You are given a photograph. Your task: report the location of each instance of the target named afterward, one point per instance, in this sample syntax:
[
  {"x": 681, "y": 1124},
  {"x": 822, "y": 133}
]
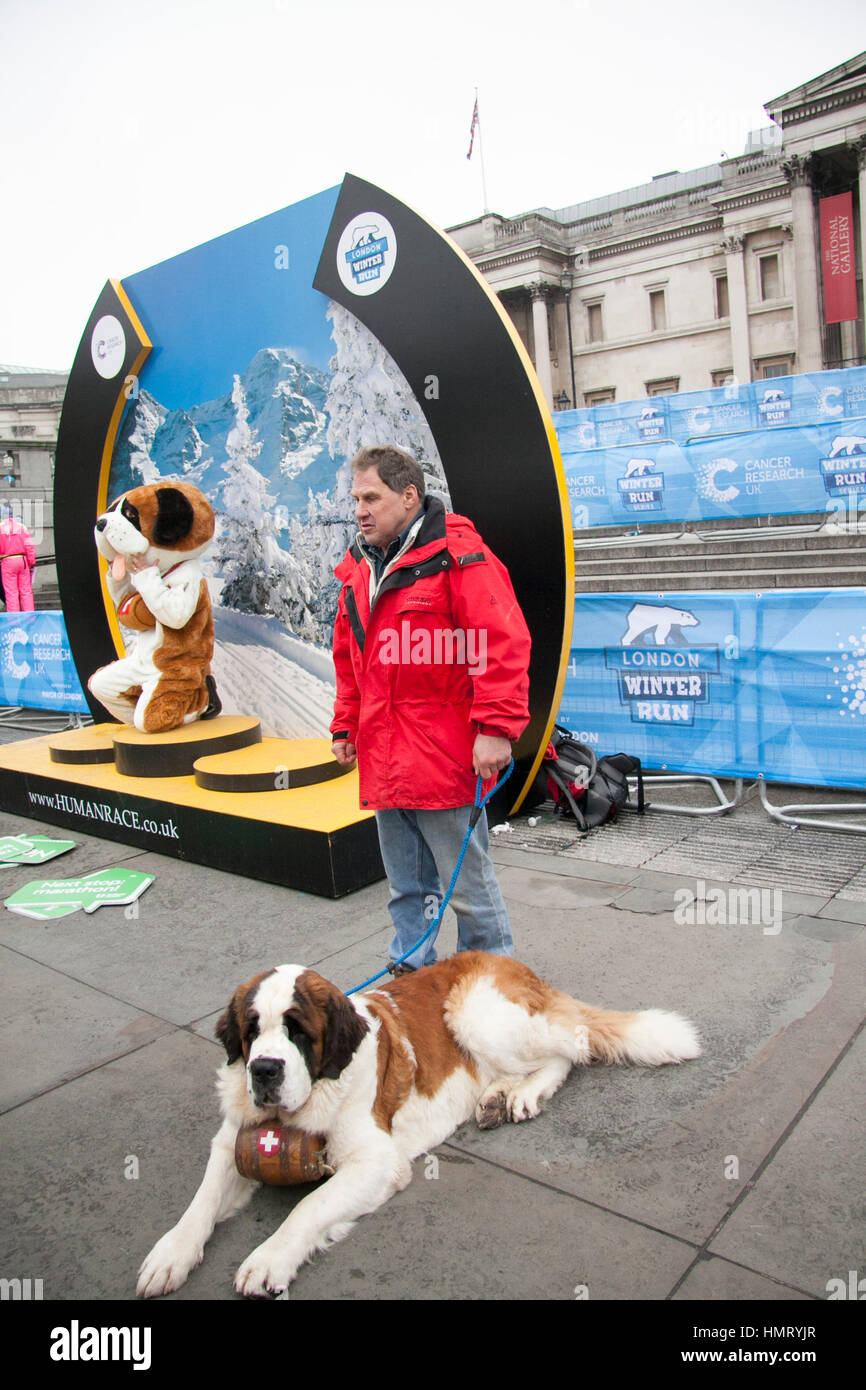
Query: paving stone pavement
[{"x": 730, "y": 1181}]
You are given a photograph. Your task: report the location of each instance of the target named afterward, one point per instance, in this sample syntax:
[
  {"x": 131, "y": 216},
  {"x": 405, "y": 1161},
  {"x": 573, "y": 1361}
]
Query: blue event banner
[
  {"x": 36, "y": 666},
  {"x": 729, "y": 683},
  {"x": 787, "y": 446}
]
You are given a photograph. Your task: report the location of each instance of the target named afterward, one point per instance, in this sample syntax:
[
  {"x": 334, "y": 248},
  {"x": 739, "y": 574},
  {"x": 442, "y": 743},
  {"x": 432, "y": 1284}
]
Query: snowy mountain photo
[{"x": 272, "y": 455}]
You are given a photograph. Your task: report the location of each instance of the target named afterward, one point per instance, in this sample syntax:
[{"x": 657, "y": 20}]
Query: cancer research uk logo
[
  {"x": 709, "y": 477},
  {"x": 12, "y": 663},
  {"x": 641, "y": 488},
  {"x": 366, "y": 253},
  {"x": 108, "y": 346},
  {"x": 844, "y": 470},
  {"x": 661, "y": 678}
]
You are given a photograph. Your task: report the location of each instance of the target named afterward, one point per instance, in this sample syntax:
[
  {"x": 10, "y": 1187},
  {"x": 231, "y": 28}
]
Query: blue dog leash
[{"x": 474, "y": 817}]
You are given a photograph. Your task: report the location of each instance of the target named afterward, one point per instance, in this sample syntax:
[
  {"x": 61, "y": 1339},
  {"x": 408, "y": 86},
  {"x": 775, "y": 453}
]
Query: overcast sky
[{"x": 134, "y": 131}]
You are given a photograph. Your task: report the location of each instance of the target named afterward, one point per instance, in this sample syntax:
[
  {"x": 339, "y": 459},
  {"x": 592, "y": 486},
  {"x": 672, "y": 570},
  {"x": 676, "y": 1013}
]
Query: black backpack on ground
[{"x": 584, "y": 788}]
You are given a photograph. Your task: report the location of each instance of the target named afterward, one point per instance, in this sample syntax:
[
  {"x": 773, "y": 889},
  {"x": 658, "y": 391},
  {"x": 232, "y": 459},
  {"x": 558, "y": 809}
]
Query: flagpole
[
  {"x": 476, "y": 125},
  {"x": 481, "y": 157}
]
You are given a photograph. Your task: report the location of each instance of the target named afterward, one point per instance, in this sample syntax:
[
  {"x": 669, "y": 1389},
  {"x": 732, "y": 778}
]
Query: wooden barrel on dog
[{"x": 280, "y": 1156}]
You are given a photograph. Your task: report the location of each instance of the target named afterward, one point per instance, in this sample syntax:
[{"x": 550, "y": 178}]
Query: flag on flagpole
[{"x": 472, "y": 129}]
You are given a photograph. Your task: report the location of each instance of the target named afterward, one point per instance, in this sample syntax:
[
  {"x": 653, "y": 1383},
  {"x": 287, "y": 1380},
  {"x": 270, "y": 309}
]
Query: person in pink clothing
[{"x": 17, "y": 562}]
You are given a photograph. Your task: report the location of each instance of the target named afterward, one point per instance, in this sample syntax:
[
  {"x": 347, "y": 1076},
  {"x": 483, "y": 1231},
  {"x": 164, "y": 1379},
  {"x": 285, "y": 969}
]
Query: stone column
[
  {"x": 542, "y": 340},
  {"x": 810, "y": 353},
  {"x": 859, "y": 148},
  {"x": 738, "y": 303}
]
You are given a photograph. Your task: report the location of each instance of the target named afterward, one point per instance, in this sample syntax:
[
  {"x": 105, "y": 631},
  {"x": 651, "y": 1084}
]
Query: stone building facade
[
  {"x": 30, "y": 406},
  {"x": 695, "y": 278}
]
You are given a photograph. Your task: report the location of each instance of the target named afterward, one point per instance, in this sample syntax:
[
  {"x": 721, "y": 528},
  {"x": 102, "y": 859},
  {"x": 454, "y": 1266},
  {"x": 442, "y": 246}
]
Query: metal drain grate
[
  {"x": 814, "y": 861},
  {"x": 745, "y": 846}
]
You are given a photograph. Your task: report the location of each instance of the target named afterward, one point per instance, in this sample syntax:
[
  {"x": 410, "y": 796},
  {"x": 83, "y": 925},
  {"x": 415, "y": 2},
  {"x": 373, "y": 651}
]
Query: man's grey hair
[{"x": 397, "y": 469}]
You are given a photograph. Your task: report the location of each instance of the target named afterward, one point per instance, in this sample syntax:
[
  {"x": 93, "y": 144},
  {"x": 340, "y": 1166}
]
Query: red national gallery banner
[{"x": 837, "y": 258}]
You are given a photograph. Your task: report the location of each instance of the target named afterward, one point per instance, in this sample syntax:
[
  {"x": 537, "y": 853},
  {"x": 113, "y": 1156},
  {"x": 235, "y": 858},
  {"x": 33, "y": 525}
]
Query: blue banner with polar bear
[
  {"x": 729, "y": 683},
  {"x": 36, "y": 666},
  {"x": 788, "y": 446}
]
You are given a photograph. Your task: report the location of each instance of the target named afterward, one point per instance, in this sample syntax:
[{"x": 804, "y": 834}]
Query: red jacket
[{"x": 443, "y": 656}]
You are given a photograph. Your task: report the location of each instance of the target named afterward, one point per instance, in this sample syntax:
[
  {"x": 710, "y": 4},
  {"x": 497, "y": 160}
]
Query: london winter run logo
[
  {"x": 661, "y": 678},
  {"x": 366, "y": 253},
  {"x": 651, "y": 423},
  {"x": 642, "y": 486},
  {"x": 844, "y": 469},
  {"x": 775, "y": 408}
]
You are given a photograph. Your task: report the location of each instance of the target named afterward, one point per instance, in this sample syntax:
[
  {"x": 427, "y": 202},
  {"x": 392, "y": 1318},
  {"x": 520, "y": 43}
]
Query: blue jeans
[{"x": 419, "y": 850}]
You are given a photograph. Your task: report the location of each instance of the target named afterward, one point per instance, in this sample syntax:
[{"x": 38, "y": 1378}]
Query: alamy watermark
[
  {"x": 851, "y": 1288},
  {"x": 729, "y": 907},
  {"x": 440, "y": 647},
  {"x": 20, "y": 1289}
]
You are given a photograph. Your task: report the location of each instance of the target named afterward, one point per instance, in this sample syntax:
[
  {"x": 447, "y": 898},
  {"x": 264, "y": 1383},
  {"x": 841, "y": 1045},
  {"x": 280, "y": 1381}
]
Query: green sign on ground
[
  {"x": 50, "y": 898},
  {"x": 30, "y": 849}
]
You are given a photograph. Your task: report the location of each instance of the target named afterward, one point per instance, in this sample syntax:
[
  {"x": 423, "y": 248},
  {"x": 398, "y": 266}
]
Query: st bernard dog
[{"x": 384, "y": 1077}]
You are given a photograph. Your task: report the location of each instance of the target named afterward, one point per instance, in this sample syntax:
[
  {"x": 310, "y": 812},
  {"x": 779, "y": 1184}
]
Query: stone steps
[
  {"x": 692, "y": 581},
  {"x": 689, "y": 547},
  {"x": 700, "y": 564},
  {"x": 778, "y": 553}
]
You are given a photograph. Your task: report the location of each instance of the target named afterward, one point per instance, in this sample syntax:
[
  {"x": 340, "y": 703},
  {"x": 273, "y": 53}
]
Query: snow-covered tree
[
  {"x": 260, "y": 577},
  {"x": 369, "y": 402}
]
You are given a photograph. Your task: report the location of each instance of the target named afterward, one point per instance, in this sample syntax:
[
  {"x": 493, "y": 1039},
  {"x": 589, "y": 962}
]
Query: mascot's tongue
[{"x": 118, "y": 568}]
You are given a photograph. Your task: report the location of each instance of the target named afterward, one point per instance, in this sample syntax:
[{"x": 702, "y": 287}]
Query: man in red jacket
[{"x": 431, "y": 653}]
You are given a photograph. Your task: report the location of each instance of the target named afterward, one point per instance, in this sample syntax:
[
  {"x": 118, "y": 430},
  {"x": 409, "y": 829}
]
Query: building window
[
  {"x": 658, "y": 311},
  {"x": 723, "y": 377},
  {"x": 603, "y": 396},
  {"x": 768, "y": 267},
  {"x": 667, "y": 387},
  {"x": 774, "y": 366},
  {"x": 594, "y": 324},
  {"x": 723, "y": 306}
]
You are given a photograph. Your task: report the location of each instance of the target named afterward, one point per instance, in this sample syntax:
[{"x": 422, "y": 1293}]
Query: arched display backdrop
[
  {"x": 173, "y": 369},
  {"x": 472, "y": 377}
]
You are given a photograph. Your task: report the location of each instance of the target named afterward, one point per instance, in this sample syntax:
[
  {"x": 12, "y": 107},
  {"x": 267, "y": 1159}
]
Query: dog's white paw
[
  {"x": 266, "y": 1273},
  {"x": 168, "y": 1265},
  {"x": 523, "y": 1103}
]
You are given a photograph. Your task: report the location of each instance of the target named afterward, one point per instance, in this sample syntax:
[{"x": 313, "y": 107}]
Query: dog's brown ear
[
  {"x": 229, "y": 1027},
  {"x": 344, "y": 1032},
  {"x": 174, "y": 517},
  {"x": 228, "y": 1031}
]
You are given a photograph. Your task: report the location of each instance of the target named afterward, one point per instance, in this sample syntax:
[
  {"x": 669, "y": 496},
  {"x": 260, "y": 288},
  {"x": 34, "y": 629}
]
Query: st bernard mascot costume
[{"x": 152, "y": 539}]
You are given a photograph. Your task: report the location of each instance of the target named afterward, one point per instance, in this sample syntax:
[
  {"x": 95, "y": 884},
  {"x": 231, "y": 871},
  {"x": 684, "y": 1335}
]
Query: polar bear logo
[
  {"x": 847, "y": 444},
  {"x": 638, "y": 468},
  {"x": 658, "y": 619},
  {"x": 770, "y": 396},
  {"x": 649, "y": 412},
  {"x": 363, "y": 236}
]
